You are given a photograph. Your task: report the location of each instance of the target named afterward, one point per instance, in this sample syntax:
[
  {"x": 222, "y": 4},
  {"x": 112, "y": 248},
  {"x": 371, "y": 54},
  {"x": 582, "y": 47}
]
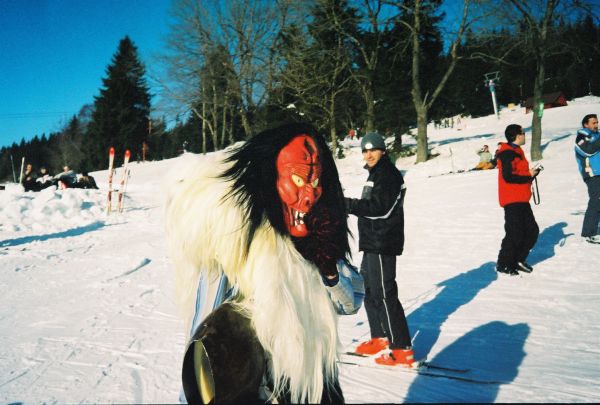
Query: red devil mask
[{"x": 298, "y": 173}]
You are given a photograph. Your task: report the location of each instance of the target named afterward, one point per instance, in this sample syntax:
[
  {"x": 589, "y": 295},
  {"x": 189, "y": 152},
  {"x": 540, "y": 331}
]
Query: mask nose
[{"x": 308, "y": 198}]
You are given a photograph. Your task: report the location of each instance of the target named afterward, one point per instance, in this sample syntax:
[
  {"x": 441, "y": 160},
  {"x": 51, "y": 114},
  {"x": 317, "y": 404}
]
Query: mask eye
[
  {"x": 297, "y": 180},
  {"x": 315, "y": 183}
]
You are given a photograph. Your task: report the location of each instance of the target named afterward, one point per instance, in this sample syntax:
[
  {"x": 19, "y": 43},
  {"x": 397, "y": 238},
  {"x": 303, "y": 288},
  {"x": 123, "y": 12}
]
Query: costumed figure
[{"x": 259, "y": 240}]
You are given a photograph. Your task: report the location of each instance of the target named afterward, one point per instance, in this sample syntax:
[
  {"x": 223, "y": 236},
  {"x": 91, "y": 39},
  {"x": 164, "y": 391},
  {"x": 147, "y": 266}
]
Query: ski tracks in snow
[{"x": 108, "y": 349}]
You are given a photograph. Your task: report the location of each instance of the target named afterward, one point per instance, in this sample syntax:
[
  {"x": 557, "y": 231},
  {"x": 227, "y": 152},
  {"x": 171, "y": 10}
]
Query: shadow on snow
[
  {"x": 549, "y": 238},
  {"x": 461, "y": 139},
  {"x": 492, "y": 352},
  {"x": 58, "y": 235},
  {"x": 555, "y": 139},
  {"x": 457, "y": 291}
]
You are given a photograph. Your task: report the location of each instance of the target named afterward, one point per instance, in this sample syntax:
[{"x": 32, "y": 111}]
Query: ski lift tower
[{"x": 491, "y": 81}]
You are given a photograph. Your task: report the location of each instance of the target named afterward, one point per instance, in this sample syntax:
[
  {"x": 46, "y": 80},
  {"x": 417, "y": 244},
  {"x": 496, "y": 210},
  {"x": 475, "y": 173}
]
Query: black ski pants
[
  {"x": 592, "y": 214},
  {"x": 521, "y": 234},
  {"x": 384, "y": 311}
]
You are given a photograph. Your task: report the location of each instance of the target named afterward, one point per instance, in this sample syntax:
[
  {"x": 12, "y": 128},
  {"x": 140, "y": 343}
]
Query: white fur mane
[{"x": 283, "y": 293}]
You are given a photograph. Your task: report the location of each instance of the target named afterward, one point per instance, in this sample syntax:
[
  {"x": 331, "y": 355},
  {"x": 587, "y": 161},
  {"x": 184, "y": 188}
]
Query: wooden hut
[{"x": 551, "y": 100}]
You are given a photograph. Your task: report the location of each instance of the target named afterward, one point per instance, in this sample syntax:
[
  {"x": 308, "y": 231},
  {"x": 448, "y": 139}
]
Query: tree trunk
[
  {"x": 539, "y": 32},
  {"x": 369, "y": 99},
  {"x": 332, "y": 130},
  {"x": 421, "y": 102},
  {"x": 333, "y": 137},
  {"x": 215, "y": 119},
  {"x": 540, "y": 78},
  {"x": 224, "y": 120},
  {"x": 536, "y": 120},
  {"x": 203, "y": 128},
  {"x": 416, "y": 91},
  {"x": 422, "y": 146},
  {"x": 230, "y": 132},
  {"x": 245, "y": 123}
]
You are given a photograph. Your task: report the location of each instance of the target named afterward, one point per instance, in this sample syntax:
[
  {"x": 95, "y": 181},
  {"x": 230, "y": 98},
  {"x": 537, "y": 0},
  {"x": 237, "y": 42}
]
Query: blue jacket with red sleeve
[{"x": 587, "y": 152}]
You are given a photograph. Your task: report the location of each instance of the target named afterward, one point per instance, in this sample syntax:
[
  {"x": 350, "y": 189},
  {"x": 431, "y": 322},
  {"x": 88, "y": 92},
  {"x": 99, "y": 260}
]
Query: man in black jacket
[{"x": 381, "y": 238}]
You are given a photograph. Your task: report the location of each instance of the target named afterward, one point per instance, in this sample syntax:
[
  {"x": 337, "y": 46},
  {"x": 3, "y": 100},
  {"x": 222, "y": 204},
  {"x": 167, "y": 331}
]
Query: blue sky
[{"x": 54, "y": 54}]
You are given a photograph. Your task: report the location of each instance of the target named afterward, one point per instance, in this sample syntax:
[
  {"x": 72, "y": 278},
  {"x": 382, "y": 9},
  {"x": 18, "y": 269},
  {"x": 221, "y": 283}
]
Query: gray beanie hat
[{"x": 372, "y": 140}]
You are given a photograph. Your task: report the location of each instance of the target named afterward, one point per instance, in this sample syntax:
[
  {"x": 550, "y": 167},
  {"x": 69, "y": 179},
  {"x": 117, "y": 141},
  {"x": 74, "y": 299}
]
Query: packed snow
[{"x": 88, "y": 311}]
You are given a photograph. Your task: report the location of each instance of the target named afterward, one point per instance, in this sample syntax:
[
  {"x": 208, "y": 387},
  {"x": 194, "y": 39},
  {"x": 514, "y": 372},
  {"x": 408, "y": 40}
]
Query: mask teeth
[{"x": 298, "y": 217}]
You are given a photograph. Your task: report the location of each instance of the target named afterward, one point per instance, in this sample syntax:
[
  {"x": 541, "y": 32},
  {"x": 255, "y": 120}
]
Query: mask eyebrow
[{"x": 311, "y": 153}]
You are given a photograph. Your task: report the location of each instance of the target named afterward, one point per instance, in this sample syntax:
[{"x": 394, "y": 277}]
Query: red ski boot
[
  {"x": 404, "y": 358},
  {"x": 372, "y": 346}
]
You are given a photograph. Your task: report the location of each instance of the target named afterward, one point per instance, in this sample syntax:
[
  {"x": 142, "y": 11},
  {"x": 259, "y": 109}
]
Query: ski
[
  {"x": 422, "y": 363},
  {"x": 111, "y": 161},
  {"x": 122, "y": 200},
  {"x": 425, "y": 371},
  {"x": 123, "y": 180},
  {"x": 461, "y": 171}
]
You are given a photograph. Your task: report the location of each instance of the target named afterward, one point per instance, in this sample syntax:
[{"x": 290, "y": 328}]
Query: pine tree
[{"x": 121, "y": 111}]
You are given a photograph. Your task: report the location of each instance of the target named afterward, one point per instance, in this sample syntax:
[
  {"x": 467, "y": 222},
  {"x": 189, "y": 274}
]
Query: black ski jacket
[{"x": 379, "y": 210}]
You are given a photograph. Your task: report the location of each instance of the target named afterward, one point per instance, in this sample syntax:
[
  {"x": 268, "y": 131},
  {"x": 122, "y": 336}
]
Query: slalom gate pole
[
  {"x": 12, "y": 165},
  {"x": 22, "y": 167}
]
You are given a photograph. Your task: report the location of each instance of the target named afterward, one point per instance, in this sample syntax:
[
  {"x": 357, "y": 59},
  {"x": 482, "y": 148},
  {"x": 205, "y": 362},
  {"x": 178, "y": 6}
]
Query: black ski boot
[
  {"x": 524, "y": 267},
  {"x": 507, "y": 270}
]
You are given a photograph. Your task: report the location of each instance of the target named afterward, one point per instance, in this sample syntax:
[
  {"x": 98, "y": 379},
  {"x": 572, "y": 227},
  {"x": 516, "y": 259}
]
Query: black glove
[
  {"x": 331, "y": 282},
  {"x": 322, "y": 246},
  {"x": 348, "y": 205}
]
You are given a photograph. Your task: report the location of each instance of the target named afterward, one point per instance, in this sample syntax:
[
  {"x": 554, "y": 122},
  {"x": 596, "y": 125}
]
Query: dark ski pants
[
  {"x": 592, "y": 214},
  {"x": 384, "y": 311},
  {"x": 521, "y": 234}
]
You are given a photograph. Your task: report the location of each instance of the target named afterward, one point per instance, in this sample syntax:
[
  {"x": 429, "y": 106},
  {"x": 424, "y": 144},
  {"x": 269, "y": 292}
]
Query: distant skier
[
  {"x": 587, "y": 153},
  {"x": 381, "y": 238},
  {"x": 514, "y": 192}
]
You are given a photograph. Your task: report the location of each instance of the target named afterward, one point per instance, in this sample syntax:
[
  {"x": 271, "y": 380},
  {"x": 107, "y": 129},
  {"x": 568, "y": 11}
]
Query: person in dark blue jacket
[
  {"x": 381, "y": 238},
  {"x": 587, "y": 154}
]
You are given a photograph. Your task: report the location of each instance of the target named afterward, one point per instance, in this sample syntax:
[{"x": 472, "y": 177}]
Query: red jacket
[{"x": 514, "y": 179}]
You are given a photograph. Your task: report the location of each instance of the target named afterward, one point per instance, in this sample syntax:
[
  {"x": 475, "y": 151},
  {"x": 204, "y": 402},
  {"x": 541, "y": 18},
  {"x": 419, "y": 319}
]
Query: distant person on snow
[
  {"x": 86, "y": 181},
  {"x": 66, "y": 179},
  {"x": 587, "y": 154},
  {"x": 29, "y": 179},
  {"x": 514, "y": 192},
  {"x": 44, "y": 178},
  {"x": 380, "y": 215},
  {"x": 485, "y": 159}
]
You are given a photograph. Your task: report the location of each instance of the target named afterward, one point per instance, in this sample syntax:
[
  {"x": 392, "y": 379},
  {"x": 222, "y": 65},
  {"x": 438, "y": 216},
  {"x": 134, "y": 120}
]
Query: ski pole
[
  {"x": 412, "y": 341},
  {"x": 535, "y": 191}
]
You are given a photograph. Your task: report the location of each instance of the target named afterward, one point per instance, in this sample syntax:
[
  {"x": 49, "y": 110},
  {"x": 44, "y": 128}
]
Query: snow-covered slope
[{"x": 88, "y": 312}]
